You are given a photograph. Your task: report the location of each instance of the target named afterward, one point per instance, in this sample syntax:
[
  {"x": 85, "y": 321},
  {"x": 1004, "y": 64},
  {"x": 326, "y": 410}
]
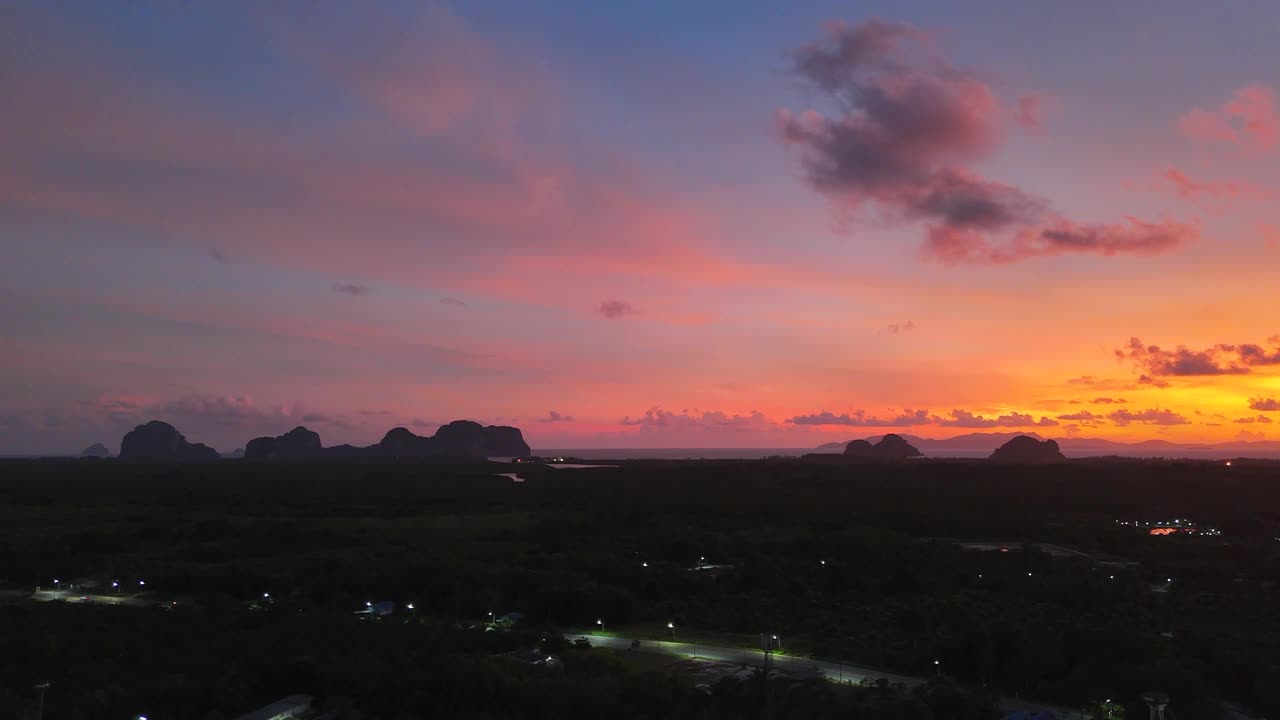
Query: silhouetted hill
[
  {"x": 97, "y": 450},
  {"x": 1027, "y": 450},
  {"x": 458, "y": 439},
  {"x": 890, "y": 448},
  {"x": 161, "y": 441},
  {"x": 297, "y": 443},
  {"x": 980, "y": 444}
]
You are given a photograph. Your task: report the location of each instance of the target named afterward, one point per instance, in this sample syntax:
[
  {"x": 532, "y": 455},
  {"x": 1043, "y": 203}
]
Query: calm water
[{"x": 672, "y": 453}]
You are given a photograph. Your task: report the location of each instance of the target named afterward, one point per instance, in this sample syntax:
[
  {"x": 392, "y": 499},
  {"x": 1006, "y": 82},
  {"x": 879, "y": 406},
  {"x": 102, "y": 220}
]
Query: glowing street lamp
[
  {"x": 115, "y": 585},
  {"x": 55, "y": 583},
  {"x": 601, "y": 624},
  {"x": 411, "y": 609},
  {"x": 672, "y": 628}
]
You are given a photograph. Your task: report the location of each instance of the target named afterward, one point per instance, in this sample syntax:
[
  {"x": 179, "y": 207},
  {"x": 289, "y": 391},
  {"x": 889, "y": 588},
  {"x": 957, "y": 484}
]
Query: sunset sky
[{"x": 659, "y": 224}]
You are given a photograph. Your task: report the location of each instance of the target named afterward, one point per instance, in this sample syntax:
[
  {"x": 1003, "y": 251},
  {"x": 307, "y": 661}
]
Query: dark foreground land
[{"x": 988, "y": 581}]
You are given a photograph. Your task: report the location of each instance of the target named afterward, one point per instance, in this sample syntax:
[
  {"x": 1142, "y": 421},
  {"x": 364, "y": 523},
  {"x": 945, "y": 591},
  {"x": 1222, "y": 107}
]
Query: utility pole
[{"x": 769, "y": 643}]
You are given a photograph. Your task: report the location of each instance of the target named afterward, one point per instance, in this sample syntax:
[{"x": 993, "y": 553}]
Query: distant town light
[{"x": 410, "y": 606}]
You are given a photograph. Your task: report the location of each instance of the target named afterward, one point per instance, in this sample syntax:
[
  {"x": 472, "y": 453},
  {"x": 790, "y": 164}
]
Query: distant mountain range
[
  {"x": 157, "y": 440},
  {"x": 981, "y": 444}
]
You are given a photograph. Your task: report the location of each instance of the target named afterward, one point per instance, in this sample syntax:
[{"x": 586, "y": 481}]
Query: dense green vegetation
[{"x": 854, "y": 563}]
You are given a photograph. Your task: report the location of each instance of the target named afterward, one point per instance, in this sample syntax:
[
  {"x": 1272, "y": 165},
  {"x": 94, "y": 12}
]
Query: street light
[
  {"x": 937, "y": 664},
  {"x": 41, "y": 686},
  {"x": 411, "y": 609},
  {"x": 601, "y": 624},
  {"x": 672, "y": 628},
  {"x": 115, "y": 584},
  {"x": 55, "y": 584}
]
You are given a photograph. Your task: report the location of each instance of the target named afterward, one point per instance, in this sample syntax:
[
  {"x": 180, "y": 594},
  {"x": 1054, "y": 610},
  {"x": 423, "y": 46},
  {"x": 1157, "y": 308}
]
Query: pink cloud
[
  {"x": 1029, "y": 111},
  {"x": 1249, "y": 119},
  {"x": 1191, "y": 188},
  {"x": 1270, "y": 235},
  {"x": 1154, "y": 416},
  {"x": 615, "y": 309}
]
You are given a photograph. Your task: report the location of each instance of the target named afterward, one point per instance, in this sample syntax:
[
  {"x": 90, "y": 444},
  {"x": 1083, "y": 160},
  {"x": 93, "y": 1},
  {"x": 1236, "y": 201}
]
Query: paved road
[
  {"x": 63, "y": 595},
  {"x": 836, "y": 672}
]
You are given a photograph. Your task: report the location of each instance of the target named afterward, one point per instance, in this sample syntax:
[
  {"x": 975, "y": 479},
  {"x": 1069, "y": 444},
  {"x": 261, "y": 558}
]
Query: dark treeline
[{"x": 852, "y": 563}]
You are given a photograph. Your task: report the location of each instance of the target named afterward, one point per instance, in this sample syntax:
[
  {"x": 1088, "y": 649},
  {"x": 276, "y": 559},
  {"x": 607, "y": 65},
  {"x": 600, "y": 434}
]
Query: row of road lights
[{"x": 115, "y": 584}]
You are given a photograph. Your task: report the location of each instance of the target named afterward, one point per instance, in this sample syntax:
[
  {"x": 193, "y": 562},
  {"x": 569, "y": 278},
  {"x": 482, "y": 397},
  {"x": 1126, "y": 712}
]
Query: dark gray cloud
[
  {"x": 1264, "y": 404},
  {"x": 1257, "y": 419},
  {"x": 1222, "y": 359},
  {"x": 350, "y": 288},
  {"x": 657, "y": 419},
  {"x": 859, "y": 418},
  {"x": 903, "y": 128}
]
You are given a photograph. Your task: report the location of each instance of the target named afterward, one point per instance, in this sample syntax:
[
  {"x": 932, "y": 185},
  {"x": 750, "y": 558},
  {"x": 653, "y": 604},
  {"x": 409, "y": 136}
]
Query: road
[
  {"x": 71, "y": 597},
  {"x": 836, "y": 672}
]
